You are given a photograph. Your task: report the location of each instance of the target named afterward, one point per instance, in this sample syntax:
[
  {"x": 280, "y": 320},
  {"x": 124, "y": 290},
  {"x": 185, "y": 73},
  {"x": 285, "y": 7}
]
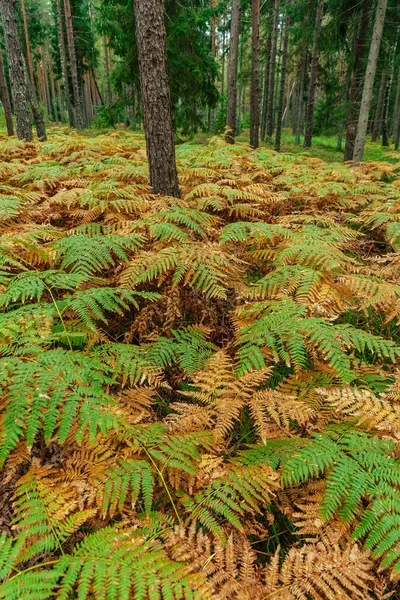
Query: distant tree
[
  {"x": 151, "y": 44},
  {"x": 5, "y": 97},
  {"x": 73, "y": 64},
  {"x": 282, "y": 87},
  {"x": 271, "y": 85},
  {"x": 232, "y": 72},
  {"x": 63, "y": 60},
  {"x": 309, "y": 121},
  {"x": 369, "y": 81},
  {"x": 255, "y": 80}
]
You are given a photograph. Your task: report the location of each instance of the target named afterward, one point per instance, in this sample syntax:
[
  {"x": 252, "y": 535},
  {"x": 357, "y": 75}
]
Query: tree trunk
[
  {"x": 213, "y": 52},
  {"x": 282, "y": 88},
  {"x": 223, "y": 59},
  {"x": 255, "y": 80},
  {"x": 37, "y": 115},
  {"x": 356, "y": 79},
  {"x": 266, "y": 84},
  {"x": 107, "y": 71},
  {"x": 74, "y": 66},
  {"x": 28, "y": 47},
  {"x": 152, "y": 54},
  {"x": 396, "y": 105},
  {"x": 272, "y": 68},
  {"x": 5, "y": 98},
  {"x": 369, "y": 81},
  {"x": 376, "y": 130},
  {"x": 386, "y": 98},
  {"x": 300, "y": 124},
  {"x": 232, "y": 72},
  {"x": 313, "y": 76},
  {"x": 15, "y": 59},
  {"x": 53, "y": 87},
  {"x": 64, "y": 69}
]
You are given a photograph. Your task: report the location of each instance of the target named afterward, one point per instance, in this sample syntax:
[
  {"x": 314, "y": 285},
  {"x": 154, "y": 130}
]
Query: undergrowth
[{"x": 200, "y": 397}]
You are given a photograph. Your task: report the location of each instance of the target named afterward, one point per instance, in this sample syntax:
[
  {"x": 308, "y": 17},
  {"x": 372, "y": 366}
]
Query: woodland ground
[{"x": 200, "y": 397}]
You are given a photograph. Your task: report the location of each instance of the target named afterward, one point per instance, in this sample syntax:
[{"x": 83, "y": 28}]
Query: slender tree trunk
[
  {"x": 255, "y": 80},
  {"x": 396, "y": 110},
  {"x": 107, "y": 71},
  {"x": 272, "y": 69},
  {"x": 5, "y": 98},
  {"x": 74, "y": 66},
  {"x": 266, "y": 84},
  {"x": 28, "y": 46},
  {"x": 53, "y": 88},
  {"x": 356, "y": 79},
  {"x": 223, "y": 59},
  {"x": 213, "y": 52},
  {"x": 152, "y": 53},
  {"x": 313, "y": 76},
  {"x": 300, "y": 123},
  {"x": 296, "y": 94},
  {"x": 64, "y": 69},
  {"x": 232, "y": 72},
  {"x": 376, "y": 130},
  {"x": 282, "y": 88},
  {"x": 15, "y": 59},
  {"x": 386, "y": 99},
  {"x": 369, "y": 81},
  {"x": 37, "y": 115}
]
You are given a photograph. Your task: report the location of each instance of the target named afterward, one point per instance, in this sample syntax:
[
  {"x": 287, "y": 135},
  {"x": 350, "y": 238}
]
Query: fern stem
[
  {"x": 164, "y": 484},
  {"x": 61, "y": 318},
  {"x": 37, "y": 566}
]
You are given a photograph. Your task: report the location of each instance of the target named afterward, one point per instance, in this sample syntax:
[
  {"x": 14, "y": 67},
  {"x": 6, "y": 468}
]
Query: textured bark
[
  {"x": 15, "y": 59},
  {"x": 37, "y": 115},
  {"x": 223, "y": 59},
  {"x": 213, "y": 52},
  {"x": 376, "y": 129},
  {"x": 356, "y": 79},
  {"x": 313, "y": 76},
  {"x": 5, "y": 98},
  {"x": 232, "y": 72},
  {"x": 73, "y": 63},
  {"x": 396, "y": 110},
  {"x": 255, "y": 78},
  {"x": 272, "y": 68},
  {"x": 282, "y": 88},
  {"x": 64, "y": 69},
  {"x": 369, "y": 81},
  {"x": 266, "y": 84},
  {"x": 152, "y": 54},
  {"x": 53, "y": 88}
]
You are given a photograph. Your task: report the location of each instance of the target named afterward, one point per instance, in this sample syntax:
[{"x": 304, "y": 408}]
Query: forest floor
[{"x": 166, "y": 365}]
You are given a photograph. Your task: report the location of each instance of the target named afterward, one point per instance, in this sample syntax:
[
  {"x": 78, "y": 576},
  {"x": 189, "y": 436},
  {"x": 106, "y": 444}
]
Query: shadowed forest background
[{"x": 199, "y": 300}]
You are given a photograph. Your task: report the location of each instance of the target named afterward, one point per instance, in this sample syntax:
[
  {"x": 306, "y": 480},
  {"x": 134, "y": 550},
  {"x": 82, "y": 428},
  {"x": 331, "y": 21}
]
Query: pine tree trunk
[
  {"x": 386, "y": 99},
  {"x": 313, "y": 76},
  {"x": 28, "y": 47},
  {"x": 255, "y": 80},
  {"x": 369, "y": 81},
  {"x": 356, "y": 79},
  {"x": 213, "y": 52},
  {"x": 152, "y": 54},
  {"x": 376, "y": 129},
  {"x": 266, "y": 88},
  {"x": 15, "y": 59},
  {"x": 73, "y": 63},
  {"x": 232, "y": 72},
  {"x": 107, "y": 71},
  {"x": 64, "y": 69},
  {"x": 53, "y": 87},
  {"x": 5, "y": 98},
  {"x": 396, "y": 109},
  {"x": 272, "y": 68},
  {"x": 282, "y": 88}
]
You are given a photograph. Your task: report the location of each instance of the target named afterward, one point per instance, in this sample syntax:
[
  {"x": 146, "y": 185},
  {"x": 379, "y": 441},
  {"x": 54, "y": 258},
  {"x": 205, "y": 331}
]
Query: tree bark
[
  {"x": 107, "y": 71},
  {"x": 64, "y": 69},
  {"x": 53, "y": 87},
  {"x": 74, "y": 66},
  {"x": 272, "y": 68},
  {"x": 28, "y": 47},
  {"x": 266, "y": 84},
  {"x": 396, "y": 110},
  {"x": 376, "y": 129},
  {"x": 282, "y": 88},
  {"x": 356, "y": 79},
  {"x": 369, "y": 81},
  {"x": 152, "y": 54},
  {"x": 213, "y": 52},
  {"x": 232, "y": 72},
  {"x": 5, "y": 98},
  {"x": 15, "y": 59},
  {"x": 386, "y": 98},
  {"x": 255, "y": 79},
  {"x": 313, "y": 76}
]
